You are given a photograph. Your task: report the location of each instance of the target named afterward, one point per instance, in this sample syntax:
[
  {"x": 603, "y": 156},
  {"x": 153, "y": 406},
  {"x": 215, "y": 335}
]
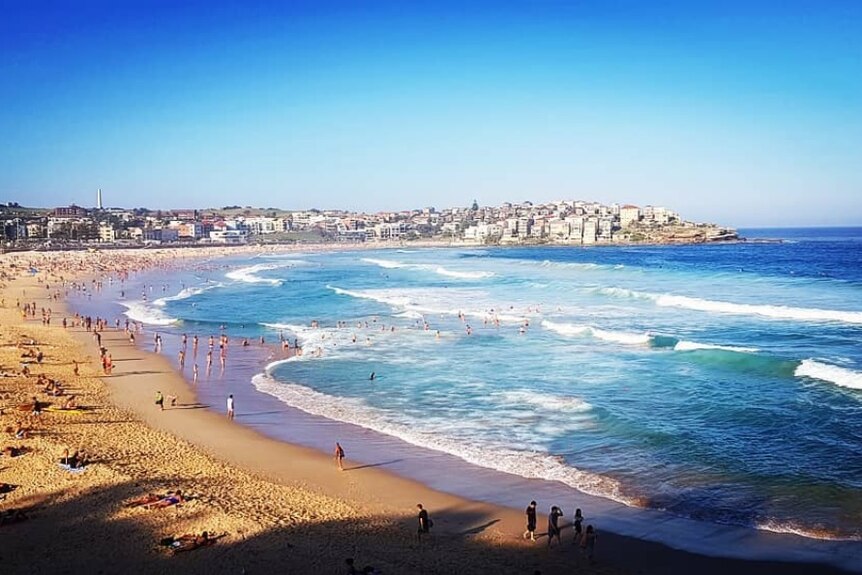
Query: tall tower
[{"x": 99, "y": 199}]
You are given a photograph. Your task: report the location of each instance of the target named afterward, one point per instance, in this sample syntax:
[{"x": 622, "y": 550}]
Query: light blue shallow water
[{"x": 718, "y": 382}]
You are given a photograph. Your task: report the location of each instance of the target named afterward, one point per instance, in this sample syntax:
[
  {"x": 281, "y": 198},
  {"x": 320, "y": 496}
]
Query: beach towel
[{"x": 71, "y": 469}]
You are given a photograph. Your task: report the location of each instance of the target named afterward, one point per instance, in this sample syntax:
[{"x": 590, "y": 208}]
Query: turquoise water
[{"x": 717, "y": 382}]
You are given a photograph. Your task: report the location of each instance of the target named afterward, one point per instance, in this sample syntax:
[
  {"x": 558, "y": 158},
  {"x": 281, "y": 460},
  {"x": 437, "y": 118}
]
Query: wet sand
[{"x": 283, "y": 507}]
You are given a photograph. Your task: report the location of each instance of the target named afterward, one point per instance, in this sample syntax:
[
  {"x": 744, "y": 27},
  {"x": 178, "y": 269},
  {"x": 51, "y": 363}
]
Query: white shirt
[{"x": 230, "y": 404}]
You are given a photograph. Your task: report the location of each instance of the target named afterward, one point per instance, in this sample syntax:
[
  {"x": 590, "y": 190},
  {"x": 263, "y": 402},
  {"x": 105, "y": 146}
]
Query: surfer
[{"x": 372, "y": 376}]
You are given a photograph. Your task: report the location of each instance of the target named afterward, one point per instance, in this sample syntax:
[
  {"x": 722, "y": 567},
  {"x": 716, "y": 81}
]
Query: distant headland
[{"x": 565, "y": 222}]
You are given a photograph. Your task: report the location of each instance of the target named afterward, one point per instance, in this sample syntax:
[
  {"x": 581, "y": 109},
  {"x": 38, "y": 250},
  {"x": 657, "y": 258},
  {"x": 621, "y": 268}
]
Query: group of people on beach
[{"x": 585, "y": 540}]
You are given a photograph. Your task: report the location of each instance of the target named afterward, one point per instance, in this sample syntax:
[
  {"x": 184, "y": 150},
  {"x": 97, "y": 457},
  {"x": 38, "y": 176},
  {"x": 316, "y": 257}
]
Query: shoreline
[{"x": 370, "y": 487}]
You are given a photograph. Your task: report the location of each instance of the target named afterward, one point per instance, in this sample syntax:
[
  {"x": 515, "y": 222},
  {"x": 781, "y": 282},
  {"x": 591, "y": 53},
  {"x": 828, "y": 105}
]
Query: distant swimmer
[{"x": 372, "y": 377}]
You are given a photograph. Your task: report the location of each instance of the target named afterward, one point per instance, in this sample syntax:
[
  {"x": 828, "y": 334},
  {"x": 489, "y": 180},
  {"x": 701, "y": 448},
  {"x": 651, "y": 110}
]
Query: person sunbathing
[
  {"x": 190, "y": 541},
  {"x": 12, "y": 451},
  {"x": 166, "y": 501},
  {"x": 145, "y": 500},
  {"x": 76, "y": 460},
  {"x": 70, "y": 403}
]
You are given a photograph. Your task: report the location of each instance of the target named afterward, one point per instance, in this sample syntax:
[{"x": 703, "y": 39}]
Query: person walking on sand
[
  {"x": 554, "y": 524},
  {"x": 425, "y": 522},
  {"x": 160, "y": 400},
  {"x": 588, "y": 544},
  {"x": 339, "y": 456},
  {"x": 531, "y": 521},
  {"x": 230, "y": 407}
]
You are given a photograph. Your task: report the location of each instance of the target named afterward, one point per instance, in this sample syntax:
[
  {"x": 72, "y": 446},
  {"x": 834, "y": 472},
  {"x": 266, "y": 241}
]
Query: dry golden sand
[{"x": 282, "y": 508}]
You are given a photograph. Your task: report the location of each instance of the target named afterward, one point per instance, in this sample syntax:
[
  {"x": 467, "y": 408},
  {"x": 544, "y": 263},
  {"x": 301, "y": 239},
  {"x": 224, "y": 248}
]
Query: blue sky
[{"x": 742, "y": 113}]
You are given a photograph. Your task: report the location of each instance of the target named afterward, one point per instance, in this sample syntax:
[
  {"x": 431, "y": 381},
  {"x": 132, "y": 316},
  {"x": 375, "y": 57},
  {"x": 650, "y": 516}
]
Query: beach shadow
[
  {"x": 93, "y": 532},
  {"x": 189, "y": 406},
  {"x": 274, "y": 412},
  {"x": 479, "y": 528},
  {"x": 141, "y": 372},
  {"x": 367, "y": 465}
]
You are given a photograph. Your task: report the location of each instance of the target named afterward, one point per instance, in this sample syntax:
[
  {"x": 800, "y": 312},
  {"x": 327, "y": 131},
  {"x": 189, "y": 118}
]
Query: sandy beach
[{"x": 276, "y": 507}]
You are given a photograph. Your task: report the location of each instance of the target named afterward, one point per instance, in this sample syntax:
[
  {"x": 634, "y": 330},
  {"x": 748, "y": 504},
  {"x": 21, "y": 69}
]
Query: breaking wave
[
  {"x": 625, "y": 338},
  {"x": 392, "y": 264},
  {"x": 713, "y": 306},
  {"x": 140, "y": 311},
  {"x": 185, "y": 294},
  {"x": 840, "y": 376},
  {"x": 248, "y": 274},
  {"x": 531, "y": 465}
]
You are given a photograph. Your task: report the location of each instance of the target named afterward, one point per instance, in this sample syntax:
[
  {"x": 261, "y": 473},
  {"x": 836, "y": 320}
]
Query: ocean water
[{"x": 721, "y": 383}]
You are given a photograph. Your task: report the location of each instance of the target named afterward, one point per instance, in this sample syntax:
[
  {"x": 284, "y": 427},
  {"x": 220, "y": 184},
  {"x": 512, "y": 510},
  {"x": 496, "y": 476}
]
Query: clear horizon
[{"x": 741, "y": 114}]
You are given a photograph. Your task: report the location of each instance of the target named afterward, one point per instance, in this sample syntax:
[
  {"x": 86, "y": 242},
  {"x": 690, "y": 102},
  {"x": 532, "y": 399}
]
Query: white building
[{"x": 231, "y": 237}]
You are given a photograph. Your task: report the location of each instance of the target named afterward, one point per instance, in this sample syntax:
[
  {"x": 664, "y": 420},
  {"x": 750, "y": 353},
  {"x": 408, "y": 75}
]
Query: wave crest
[
  {"x": 840, "y": 376},
  {"x": 440, "y": 270},
  {"x": 715, "y": 306},
  {"x": 569, "y": 329},
  {"x": 248, "y": 274},
  {"x": 185, "y": 294},
  {"x": 140, "y": 311}
]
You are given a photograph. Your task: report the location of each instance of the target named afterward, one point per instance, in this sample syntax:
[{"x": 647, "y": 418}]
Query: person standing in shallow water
[
  {"x": 554, "y": 525},
  {"x": 230, "y": 407},
  {"x": 531, "y": 521}
]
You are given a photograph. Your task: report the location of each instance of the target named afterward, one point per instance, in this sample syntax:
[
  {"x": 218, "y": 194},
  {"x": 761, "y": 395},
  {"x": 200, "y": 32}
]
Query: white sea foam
[
  {"x": 393, "y": 264},
  {"x": 683, "y": 345},
  {"x": 546, "y": 401},
  {"x": 533, "y": 465},
  {"x": 383, "y": 296},
  {"x": 410, "y": 315},
  {"x": 621, "y": 337},
  {"x": 763, "y": 310},
  {"x": 571, "y": 265},
  {"x": 388, "y": 264},
  {"x": 474, "y": 275},
  {"x": 144, "y": 313},
  {"x": 185, "y": 294},
  {"x": 777, "y": 526},
  {"x": 248, "y": 274},
  {"x": 440, "y": 301},
  {"x": 841, "y": 376}
]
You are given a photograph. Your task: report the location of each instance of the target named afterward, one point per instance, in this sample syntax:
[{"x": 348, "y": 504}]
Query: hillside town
[{"x": 561, "y": 222}]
